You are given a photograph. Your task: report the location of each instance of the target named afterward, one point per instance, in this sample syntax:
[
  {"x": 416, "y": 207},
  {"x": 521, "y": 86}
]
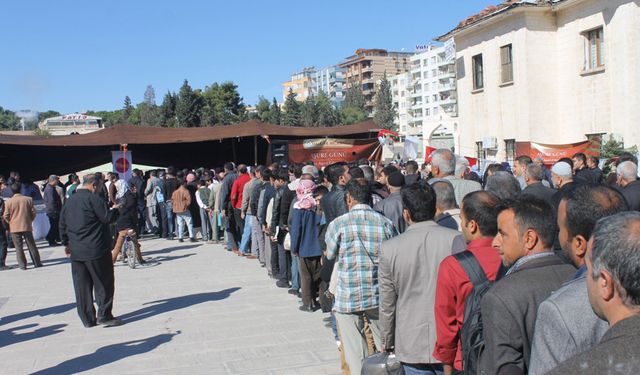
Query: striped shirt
[{"x": 354, "y": 239}]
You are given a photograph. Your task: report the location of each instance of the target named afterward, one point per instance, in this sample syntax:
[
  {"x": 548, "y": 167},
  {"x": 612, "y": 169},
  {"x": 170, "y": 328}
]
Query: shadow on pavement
[
  {"x": 53, "y": 310},
  {"x": 166, "y": 258},
  {"x": 11, "y": 335},
  {"x": 177, "y": 303},
  {"x": 108, "y": 354},
  {"x": 169, "y": 249}
]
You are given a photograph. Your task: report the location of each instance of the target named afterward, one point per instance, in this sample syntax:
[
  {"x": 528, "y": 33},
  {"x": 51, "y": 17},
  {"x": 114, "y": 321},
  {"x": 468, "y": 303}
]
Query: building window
[
  {"x": 478, "y": 77},
  {"x": 506, "y": 59},
  {"x": 594, "y": 49},
  {"x": 435, "y": 111},
  {"x": 426, "y": 112},
  {"x": 510, "y": 150}
]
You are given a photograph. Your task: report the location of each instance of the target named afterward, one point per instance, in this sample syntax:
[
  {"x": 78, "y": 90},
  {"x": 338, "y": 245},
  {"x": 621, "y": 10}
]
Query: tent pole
[
  {"x": 255, "y": 150},
  {"x": 233, "y": 147}
]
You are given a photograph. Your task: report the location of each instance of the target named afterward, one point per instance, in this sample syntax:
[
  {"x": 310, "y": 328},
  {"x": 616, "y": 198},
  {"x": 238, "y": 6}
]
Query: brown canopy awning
[{"x": 36, "y": 157}]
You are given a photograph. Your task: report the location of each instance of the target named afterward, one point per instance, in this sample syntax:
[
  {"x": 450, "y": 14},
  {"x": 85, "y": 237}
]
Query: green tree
[
  {"x": 47, "y": 114},
  {"x": 385, "y": 113},
  {"x": 355, "y": 98},
  {"x": 309, "y": 112},
  {"x": 148, "y": 110},
  {"x": 327, "y": 114},
  {"x": 275, "y": 115},
  {"x": 292, "y": 112},
  {"x": 168, "y": 110},
  {"x": 263, "y": 109},
  {"x": 188, "y": 106},
  {"x": 352, "y": 115},
  {"x": 127, "y": 110},
  {"x": 8, "y": 120},
  {"x": 611, "y": 148},
  {"x": 223, "y": 104}
]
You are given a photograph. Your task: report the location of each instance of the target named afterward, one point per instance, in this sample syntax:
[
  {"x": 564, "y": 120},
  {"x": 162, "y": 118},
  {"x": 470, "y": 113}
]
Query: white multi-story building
[
  {"x": 330, "y": 80},
  {"x": 429, "y": 98},
  {"x": 553, "y": 72}
]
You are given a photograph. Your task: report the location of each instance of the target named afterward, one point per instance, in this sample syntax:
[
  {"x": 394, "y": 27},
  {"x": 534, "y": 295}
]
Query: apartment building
[
  {"x": 329, "y": 80},
  {"x": 548, "y": 71},
  {"x": 300, "y": 84},
  {"x": 425, "y": 97},
  {"x": 366, "y": 67}
]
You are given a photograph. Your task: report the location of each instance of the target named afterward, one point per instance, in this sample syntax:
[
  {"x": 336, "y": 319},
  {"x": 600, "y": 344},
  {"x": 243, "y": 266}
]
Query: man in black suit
[
  {"x": 613, "y": 279},
  {"x": 526, "y": 230},
  {"x": 533, "y": 176}
]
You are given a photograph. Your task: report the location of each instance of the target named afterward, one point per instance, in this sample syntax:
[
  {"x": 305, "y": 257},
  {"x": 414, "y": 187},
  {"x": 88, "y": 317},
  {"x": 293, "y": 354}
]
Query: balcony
[
  {"x": 446, "y": 74},
  {"x": 448, "y": 101},
  {"x": 447, "y": 86}
]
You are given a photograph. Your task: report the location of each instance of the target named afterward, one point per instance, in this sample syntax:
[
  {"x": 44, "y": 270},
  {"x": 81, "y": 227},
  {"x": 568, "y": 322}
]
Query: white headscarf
[{"x": 121, "y": 189}]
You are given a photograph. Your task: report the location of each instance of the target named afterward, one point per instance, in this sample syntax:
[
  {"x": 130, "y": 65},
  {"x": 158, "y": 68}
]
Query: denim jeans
[
  {"x": 245, "y": 244},
  {"x": 295, "y": 273},
  {"x": 169, "y": 210},
  {"x": 422, "y": 369},
  {"x": 184, "y": 218},
  {"x": 206, "y": 225}
]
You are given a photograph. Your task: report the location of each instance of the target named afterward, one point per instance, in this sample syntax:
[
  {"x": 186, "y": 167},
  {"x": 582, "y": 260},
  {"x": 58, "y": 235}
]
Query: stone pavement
[{"x": 199, "y": 310}]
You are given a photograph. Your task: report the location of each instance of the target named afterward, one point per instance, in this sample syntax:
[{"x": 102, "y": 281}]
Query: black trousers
[
  {"x": 239, "y": 224},
  {"x": 142, "y": 218},
  {"x": 54, "y": 232},
  {"x": 309, "y": 278},
  {"x": 161, "y": 214},
  {"x": 4, "y": 243},
  {"x": 93, "y": 279}
]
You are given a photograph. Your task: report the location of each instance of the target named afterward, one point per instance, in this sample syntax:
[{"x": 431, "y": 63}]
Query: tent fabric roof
[{"x": 133, "y": 134}]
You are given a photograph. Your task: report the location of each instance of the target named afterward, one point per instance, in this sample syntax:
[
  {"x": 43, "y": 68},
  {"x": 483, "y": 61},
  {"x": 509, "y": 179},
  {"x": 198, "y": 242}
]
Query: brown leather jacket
[{"x": 180, "y": 200}]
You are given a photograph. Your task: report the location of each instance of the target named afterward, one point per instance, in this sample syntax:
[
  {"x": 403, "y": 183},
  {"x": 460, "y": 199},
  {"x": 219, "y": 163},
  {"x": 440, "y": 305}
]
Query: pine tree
[
  {"x": 275, "y": 115},
  {"x": 353, "y": 109},
  {"x": 168, "y": 110},
  {"x": 309, "y": 112},
  {"x": 149, "y": 114},
  {"x": 385, "y": 113},
  {"x": 188, "y": 106},
  {"x": 127, "y": 110},
  {"x": 326, "y": 114},
  {"x": 292, "y": 115}
]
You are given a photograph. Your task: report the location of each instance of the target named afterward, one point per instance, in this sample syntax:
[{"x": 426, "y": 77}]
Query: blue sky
[{"x": 73, "y": 56}]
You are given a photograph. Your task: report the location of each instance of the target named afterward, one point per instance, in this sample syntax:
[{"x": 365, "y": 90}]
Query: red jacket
[
  {"x": 452, "y": 290},
  {"x": 237, "y": 188}
]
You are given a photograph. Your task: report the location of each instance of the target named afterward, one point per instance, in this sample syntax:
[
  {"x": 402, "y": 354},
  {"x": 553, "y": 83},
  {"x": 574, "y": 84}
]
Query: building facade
[
  {"x": 329, "y": 80},
  {"x": 366, "y": 67},
  {"x": 300, "y": 84},
  {"x": 551, "y": 72}
]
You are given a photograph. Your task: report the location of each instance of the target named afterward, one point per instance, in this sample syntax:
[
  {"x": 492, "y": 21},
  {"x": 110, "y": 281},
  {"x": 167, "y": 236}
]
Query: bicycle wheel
[{"x": 131, "y": 254}]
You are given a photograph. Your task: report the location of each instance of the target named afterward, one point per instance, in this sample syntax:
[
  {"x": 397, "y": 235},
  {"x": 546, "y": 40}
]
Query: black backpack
[{"x": 472, "y": 336}]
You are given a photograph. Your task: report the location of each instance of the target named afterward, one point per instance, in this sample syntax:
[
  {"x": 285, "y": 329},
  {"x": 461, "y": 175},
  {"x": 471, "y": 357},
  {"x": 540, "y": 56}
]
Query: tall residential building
[
  {"x": 300, "y": 83},
  {"x": 402, "y": 101},
  {"x": 330, "y": 80},
  {"x": 553, "y": 72},
  {"x": 430, "y": 97},
  {"x": 366, "y": 67}
]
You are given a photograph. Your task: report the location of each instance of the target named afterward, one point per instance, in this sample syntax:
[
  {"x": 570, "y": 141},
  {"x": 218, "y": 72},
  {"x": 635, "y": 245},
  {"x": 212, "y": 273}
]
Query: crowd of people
[{"x": 513, "y": 271}]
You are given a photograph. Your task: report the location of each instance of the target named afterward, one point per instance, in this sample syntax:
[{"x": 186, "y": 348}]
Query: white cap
[{"x": 562, "y": 169}]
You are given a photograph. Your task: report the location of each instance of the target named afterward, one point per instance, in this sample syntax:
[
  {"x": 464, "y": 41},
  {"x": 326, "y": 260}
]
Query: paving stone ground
[{"x": 199, "y": 310}]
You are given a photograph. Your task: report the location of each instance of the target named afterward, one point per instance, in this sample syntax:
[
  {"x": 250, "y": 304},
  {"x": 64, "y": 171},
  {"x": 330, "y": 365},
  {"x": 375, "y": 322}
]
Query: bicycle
[{"x": 129, "y": 250}]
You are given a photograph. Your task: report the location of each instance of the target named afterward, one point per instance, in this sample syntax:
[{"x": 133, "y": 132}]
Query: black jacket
[
  {"x": 140, "y": 184},
  {"x": 631, "y": 193},
  {"x": 52, "y": 200},
  {"x": 171, "y": 184},
  {"x": 333, "y": 203},
  {"x": 84, "y": 225},
  {"x": 128, "y": 217},
  {"x": 288, "y": 196},
  {"x": 255, "y": 198},
  {"x": 509, "y": 313}
]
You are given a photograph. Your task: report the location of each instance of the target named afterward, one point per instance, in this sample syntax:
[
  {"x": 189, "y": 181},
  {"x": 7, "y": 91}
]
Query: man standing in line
[
  {"x": 520, "y": 168},
  {"x": 249, "y": 244},
  {"x": 171, "y": 184},
  {"x": 566, "y": 324},
  {"x": 443, "y": 165},
  {"x": 226, "y": 207},
  {"x": 613, "y": 269},
  {"x": 4, "y": 243},
  {"x": 139, "y": 183},
  {"x": 629, "y": 184},
  {"x": 479, "y": 226},
  {"x": 54, "y": 204},
  {"x": 391, "y": 206},
  {"x": 20, "y": 213},
  {"x": 407, "y": 276},
  {"x": 84, "y": 226},
  {"x": 526, "y": 231},
  {"x": 534, "y": 177},
  {"x": 354, "y": 239}
]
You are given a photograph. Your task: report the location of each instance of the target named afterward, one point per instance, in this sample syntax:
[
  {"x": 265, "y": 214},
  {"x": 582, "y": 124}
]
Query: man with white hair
[
  {"x": 629, "y": 184},
  {"x": 443, "y": 166}
]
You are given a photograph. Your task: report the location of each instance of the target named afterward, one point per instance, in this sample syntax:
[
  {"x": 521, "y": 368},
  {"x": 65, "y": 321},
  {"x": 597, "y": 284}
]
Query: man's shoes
[
  {"x": 292, "y": 291},
  {"x": 113, "y": 322},
  {"x": 282, "y": 284},
  {"x": 306, "y": 308},
  {"x": 38, "y": 265},
  {"x": 4, "y": 268},
  {"x": 180, "y": 240},
  {"x": 192, "y": 240}
]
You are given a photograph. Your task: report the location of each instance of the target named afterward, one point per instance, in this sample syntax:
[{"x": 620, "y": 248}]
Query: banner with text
[
  {"x": 325, "y": 151},
  {"x": 552, "y": 153}
]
